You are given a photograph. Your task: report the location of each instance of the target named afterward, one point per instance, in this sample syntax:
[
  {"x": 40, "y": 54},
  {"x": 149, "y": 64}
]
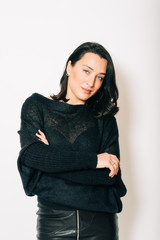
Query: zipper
[{"x": 77, "y": 224}]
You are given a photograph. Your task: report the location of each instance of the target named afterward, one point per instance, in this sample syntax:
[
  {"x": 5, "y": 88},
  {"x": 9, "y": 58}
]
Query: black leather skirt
[{"x": 76, "y": 224}]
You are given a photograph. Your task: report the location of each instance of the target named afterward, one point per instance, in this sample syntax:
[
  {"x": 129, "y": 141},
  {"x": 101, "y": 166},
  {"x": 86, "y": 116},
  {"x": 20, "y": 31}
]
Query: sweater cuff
[{"x": 87, "y": 160}]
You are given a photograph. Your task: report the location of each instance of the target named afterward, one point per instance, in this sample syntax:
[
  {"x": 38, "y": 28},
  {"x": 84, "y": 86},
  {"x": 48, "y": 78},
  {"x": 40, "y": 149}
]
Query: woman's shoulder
[
  {"x": 37, "y": 98},
  {"x": 110, "y": 122},
  {"x": 109, "y": 118},
  {"x": 34, "y": 102}
]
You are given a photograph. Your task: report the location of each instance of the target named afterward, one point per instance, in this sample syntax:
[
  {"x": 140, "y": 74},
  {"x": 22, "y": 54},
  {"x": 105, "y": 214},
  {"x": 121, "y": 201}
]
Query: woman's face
[{"x": 85, "y": 77}]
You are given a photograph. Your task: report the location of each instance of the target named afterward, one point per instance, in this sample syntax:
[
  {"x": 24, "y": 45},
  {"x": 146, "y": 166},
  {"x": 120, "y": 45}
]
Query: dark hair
[{"x": 104, "y": 101}]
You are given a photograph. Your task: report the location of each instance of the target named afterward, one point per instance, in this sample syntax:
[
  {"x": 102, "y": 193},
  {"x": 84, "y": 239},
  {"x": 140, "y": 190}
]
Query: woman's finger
[
  {"x": 41, "y": 133},
  {"x": 42, "y": 137},
  {"x": 38, "y": 135},
  {"x": 115, "y": 168},
  {"x": 115, "y": 159},
  {"x": 111, "y": 174}
]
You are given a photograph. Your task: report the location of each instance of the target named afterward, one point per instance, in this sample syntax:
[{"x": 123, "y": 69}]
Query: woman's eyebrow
[{"x": 93, "y": 69}]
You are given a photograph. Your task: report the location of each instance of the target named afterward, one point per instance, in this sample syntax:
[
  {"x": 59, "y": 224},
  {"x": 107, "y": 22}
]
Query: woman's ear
[{"x": 69, "y": 67}]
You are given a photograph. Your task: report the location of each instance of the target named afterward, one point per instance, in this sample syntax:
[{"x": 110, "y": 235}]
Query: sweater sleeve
[
  {"x": 110, "y": 138},
  {"x": 37, "y": 155},
  {"x": 111, "y": 145}
]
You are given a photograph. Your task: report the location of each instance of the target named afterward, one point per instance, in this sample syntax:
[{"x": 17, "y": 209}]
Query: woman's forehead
[{"x": 93, "y": 61}]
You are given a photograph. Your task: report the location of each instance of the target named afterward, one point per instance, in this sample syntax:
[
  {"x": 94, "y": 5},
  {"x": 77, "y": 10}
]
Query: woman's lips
[{"x": 86, "y": 90}]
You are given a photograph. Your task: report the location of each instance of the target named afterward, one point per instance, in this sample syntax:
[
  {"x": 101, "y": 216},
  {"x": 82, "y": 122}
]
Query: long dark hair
[{"x": 104, "y": 101}]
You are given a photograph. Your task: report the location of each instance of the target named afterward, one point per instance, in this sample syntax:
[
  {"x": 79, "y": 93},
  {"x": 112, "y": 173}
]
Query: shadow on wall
[{"x": 130, "y": 206}]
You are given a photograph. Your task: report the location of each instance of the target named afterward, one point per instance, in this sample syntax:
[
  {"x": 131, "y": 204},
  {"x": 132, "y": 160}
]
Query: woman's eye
[
  {"x": 85, "y": 70},
  {"x": 101, "y": 78}
]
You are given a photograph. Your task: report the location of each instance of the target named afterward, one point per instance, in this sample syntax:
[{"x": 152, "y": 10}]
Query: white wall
[{"x": 36, "y": 38}]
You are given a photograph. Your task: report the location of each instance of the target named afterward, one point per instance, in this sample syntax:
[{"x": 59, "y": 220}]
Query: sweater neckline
[{"x": 62, "y": 105}]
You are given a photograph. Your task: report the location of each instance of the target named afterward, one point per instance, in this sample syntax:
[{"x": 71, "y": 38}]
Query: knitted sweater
[{"x": 63, "y": 174}]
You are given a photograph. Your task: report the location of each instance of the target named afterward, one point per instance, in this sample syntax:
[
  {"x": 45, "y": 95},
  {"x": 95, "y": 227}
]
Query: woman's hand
[
  {"x": 106, "y": 160},
  {"x": 42, "y": 137}
]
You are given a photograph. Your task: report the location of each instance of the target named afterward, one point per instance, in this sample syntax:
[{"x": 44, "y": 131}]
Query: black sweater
[{"x": 63, "y": 174}]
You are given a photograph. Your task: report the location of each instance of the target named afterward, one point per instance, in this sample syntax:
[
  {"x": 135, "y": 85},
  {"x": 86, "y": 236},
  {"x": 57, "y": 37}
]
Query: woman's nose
[{"x": 91, "y": 81}]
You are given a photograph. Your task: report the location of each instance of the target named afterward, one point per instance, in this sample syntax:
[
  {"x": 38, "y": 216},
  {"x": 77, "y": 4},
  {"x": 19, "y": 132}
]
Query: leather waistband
[{"x": 75, "y": 224}]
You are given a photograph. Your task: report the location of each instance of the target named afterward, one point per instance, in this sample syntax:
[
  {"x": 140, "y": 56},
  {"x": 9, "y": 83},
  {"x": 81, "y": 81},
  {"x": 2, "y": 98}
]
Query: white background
[{"x": 36, "y": 38}]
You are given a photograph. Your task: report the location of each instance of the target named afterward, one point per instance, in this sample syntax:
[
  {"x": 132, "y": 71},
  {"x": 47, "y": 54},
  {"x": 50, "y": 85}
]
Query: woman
[{"x": 70, "y": 154}]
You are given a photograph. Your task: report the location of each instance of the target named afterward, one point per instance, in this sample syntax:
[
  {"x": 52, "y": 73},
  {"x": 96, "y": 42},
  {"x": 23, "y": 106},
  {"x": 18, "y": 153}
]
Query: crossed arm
[{"x": 104, "y": 160}]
